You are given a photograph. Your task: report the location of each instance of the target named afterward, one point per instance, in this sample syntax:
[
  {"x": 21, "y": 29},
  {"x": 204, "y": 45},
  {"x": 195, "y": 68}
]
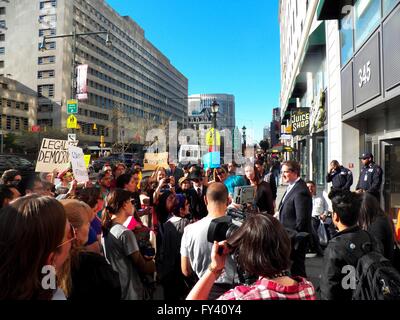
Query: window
[
  {"x": 49, "y": 45},
  {"x": 2, "y": 50},
  {"x": 25, "y": 123},
  {"x": 1, "y": 64},
  {"x": 17, "y": 105},
  {"x": 47, "y": 32},
  {"x": 17, "y": 124},
  {"x": 46, "y": 60},
  {"x": 2, "y": 24},
  {"x": 46, "y": 90},
  {"x": 2, "y": 10},
  {"x": 2, "y": 37},
  {"x": 48, "y": 4},
  {"x": 388, "y": 5},
  {"x": 9, "y": 103},
  {"x": 8, "y": 123},
  {"x": 367, "y": 14},
  {"x": 46, "y": 74},
  {"x": 26, "y": 106},
  {"x": 346, "y": 37},
  {"x": 46, "y": 18},
  {"x": 46, "y": 108}
]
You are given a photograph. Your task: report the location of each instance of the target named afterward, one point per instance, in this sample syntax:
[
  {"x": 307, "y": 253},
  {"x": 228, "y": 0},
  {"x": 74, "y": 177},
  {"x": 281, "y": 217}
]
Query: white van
[{"x": 189, "y": 153}]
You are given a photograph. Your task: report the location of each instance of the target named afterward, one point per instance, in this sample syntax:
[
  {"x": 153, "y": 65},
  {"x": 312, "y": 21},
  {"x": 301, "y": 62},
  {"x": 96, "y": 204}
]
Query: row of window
[
  {"x": 47, "y": 32},
  {"x": 133, "y": 61},
  {"x": 51, "y": 45},
  {"x": 132, "y": 80},
  {"x": 14, "y": 104},
  {"x": 45, "y": 107},
  {"x": 360, "y": 21},
  {"x": 157, "y": 65},
  {"x": 93, "y": 114},
  {"x": 107, "y": 24},
  {"x": 87, "y": 128},
  {"x": 13, "y": 123}
]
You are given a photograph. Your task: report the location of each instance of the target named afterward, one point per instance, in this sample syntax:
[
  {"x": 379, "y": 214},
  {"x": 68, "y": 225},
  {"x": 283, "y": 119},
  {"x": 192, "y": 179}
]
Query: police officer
[
  {"x": 341, "y": 177},
  {"x": 370, "y": 177}
]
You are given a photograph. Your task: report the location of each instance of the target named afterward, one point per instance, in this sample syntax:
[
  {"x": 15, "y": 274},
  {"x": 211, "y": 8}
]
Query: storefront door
[{"x": 391, "y": 171}]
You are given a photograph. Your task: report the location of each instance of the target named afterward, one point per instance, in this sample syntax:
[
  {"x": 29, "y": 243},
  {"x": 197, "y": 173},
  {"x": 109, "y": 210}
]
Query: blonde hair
[{"x": 78, "y": 212}]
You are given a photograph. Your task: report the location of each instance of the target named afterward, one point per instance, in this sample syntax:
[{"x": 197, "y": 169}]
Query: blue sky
[{"x": 221, "y": 46}]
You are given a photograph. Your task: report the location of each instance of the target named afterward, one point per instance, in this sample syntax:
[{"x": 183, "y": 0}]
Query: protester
[
  {"x": 120, "y": 246},
  {"x": 377, "y": 223},
  {"x": 262, "y": 248},
  {"x": 6, "y": 196},
  {"x": 66, "y": 176},
  {"x": 87, "y": 274},
  {"x": 11, "y": 177},
  {"x": 232, "y": 166},
  {"x": 346, "y": 246},
  {"x": 196, "y": 198},
  {"x": 263, "y": 198},
  {"x": 169, "y": 262},
  {"x": 35, "y": 240},
  {"x": 267, "y": 177}
]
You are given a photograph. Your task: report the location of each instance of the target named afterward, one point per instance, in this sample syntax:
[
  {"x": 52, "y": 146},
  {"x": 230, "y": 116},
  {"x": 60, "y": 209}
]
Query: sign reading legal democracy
[
  {"x": 300, "y": 120},
  {"x": 53, "y": 155}
]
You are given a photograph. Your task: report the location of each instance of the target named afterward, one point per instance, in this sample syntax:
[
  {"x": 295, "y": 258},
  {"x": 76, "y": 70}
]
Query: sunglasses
[{"x": 72, "y": 236}]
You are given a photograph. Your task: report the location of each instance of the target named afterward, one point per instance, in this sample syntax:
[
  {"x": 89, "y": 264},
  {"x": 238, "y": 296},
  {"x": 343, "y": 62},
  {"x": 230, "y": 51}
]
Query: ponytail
[{"x": 114, "y": 202}]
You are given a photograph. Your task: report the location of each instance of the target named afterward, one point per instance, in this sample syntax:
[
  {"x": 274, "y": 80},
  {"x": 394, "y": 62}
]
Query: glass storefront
[
  {"x": 391, "y": 188},
  {"x": 319, "y": 159},
  {"x": 346, "y": 37},
  {"x": 367, "y": 15},
  {"x": 303, "y": 158}
]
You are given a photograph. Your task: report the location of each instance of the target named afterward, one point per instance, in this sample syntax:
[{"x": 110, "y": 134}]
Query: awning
[
  {"x": 279, "y": 149},
  {"x": 332, "y": 9}
]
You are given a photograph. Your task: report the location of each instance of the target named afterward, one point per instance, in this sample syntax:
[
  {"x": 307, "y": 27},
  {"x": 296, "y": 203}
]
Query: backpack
[{"x": 376, "y": 278}]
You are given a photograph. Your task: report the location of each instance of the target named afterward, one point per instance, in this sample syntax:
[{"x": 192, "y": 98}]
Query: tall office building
[{"x": 131, "y": 85}]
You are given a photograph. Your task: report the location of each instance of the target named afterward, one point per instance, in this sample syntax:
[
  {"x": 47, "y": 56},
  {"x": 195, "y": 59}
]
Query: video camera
[
  {"x": 222, "y": 228},
  {"x": 244, "y": 194}
]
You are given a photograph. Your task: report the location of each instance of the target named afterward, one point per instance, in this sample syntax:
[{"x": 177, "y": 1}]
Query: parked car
[{"x": 11, "y": 161}]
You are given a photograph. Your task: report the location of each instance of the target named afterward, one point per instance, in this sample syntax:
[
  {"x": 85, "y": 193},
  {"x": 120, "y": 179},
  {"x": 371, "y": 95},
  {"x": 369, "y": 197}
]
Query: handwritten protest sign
[
  {"x": 87, "y": 160},
  {"x": 78, "y": 164},
  {"x": 53, "y": 155},
  {"x": 154, "y": 160}
]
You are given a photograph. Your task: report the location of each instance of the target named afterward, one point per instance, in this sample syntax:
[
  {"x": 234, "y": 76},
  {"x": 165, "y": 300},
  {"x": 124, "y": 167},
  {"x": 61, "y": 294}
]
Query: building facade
[
  {"x": 132, "y": 86},
  {"x": 304, "y": 86},
  {"x": 367, "y": 68},
  {"x": 18, "y": 106}
]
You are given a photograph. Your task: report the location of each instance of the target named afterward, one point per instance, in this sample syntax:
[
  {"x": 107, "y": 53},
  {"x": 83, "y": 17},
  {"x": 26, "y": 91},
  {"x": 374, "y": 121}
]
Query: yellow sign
[
  {"x": 210, "y": 137},
  {"x": 86, "y": 157},
  {"x": 72, "y": 122}
]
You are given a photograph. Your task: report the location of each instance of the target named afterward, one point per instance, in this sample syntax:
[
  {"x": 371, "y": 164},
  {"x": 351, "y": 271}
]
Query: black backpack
[{"x": 376, "y": 278}]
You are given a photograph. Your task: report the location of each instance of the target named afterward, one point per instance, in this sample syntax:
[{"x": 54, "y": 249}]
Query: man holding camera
[
  {"x": 196, "y": 249},
  {"x": 295, "y": 214}
]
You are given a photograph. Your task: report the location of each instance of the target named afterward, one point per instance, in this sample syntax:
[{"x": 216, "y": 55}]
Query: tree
[{"x": 264, "y": 144}]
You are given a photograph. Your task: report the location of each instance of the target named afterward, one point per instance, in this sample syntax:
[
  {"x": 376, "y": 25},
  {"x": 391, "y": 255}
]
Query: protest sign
[
  {"x": 154, "y": 160},
  {"x": 53, "y": 155},
  {"x": 87, "y": 160},
  {"x": 78, "y": 164},
  {"x": 212, "y": 160}
]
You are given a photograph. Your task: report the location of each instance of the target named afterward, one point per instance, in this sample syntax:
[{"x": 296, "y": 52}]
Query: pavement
[{"x": 313, "y": 264}]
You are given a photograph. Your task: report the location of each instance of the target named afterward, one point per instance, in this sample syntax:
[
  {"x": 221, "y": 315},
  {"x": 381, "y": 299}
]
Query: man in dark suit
[
  {"x": 295, "y": 214},
  {"x": 197, "y": 203}
]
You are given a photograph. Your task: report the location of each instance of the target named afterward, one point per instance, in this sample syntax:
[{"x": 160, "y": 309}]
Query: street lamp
[
  {"x": 244, "y": 140},
  {"x": 214, "y": 111}
]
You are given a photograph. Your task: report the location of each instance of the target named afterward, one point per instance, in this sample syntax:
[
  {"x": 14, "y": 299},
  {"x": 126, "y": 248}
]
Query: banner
[
  {"x": 78, "y": 164},
  {"x": 154, "y": 160},
  {"x": 53, "y": 155},
  {"x": 300, "y": 120},
  {"x": 81, "y": 82}
]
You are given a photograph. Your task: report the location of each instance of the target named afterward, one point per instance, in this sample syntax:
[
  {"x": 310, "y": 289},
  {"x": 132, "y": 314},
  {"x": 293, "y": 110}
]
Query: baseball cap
[{"x": 366, "y": 155}]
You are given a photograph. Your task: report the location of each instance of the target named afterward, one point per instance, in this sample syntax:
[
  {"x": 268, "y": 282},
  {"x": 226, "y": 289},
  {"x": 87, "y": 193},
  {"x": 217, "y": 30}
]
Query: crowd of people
[{"x": 135, "y": 236}]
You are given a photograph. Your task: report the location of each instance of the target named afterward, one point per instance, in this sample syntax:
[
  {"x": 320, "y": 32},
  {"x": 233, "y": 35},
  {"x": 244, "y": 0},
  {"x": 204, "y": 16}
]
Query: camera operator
[
  {"x": 195, "y": 248},
  {"x": 262, "y": 248}
]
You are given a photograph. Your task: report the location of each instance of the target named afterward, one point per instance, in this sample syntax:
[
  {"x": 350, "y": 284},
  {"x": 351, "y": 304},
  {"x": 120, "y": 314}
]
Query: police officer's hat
[{"x": 366, "y": 156}]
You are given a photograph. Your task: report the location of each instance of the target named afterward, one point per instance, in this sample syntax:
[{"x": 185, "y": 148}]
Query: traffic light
[
  {"x": 94, "y": 126},
  {"x": 102, "y": 144}
]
